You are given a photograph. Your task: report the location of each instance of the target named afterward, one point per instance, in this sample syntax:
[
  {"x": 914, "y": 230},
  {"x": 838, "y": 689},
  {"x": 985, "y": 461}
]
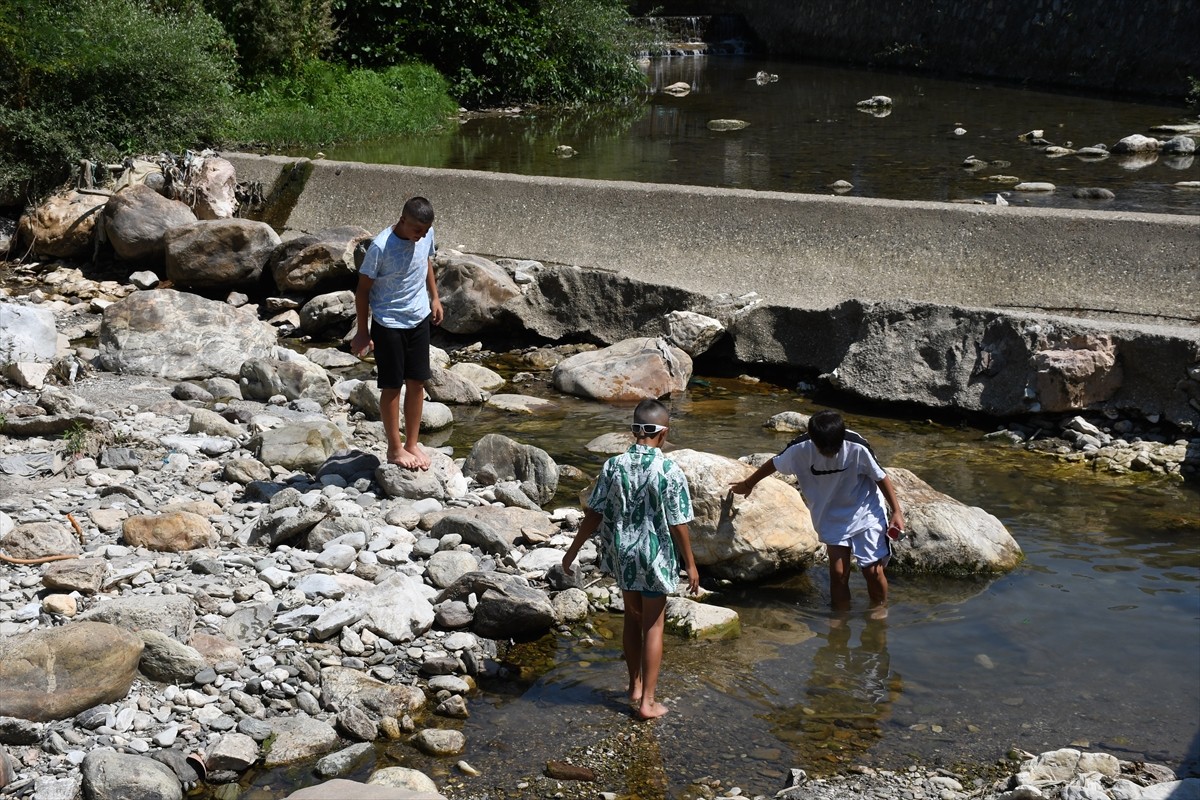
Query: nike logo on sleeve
[{"x": 816, "y": 471}]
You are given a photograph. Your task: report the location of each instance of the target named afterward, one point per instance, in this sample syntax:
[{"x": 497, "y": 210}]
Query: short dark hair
[
  {"x": 827, "y": 430},
  {"x": 419, "y": 209},
  {"x": 652, "y": 411}
]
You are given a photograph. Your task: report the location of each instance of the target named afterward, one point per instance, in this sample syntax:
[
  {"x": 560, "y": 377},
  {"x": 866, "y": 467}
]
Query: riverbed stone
[
  {"x": 486, "y": 379},
  {"x": 174, "y": 615},
  {"x": 83, "y": 575},
  {"x": 403, "y": 778},
  {"x": 136, "y": 221},
  {"x": 27, "y": 333},
  {"x": 169, "y": 533},
  {"x": 300, "y": 445},
  {"x": 700, "y": 620},
  {"x": 744, "y": 538},
  {"x": 946, "y": 536},
  {"x": 633, "y": 369},
  {"x": 508, "y": 607},
  {"x": 472, "y": 290},
  {"x": 342, "y": 687},
  {"x": 691, "y": 332},
  {"x": 218, "y": 253},
  {"x": 294, "y": 377},
  {"x": 520, "y": 403},
  {"x": 317, "y": 262},
  {"x": 169, "y": 660},
  {"x": 109, "y": 774},
  {"x": 63, "y": 226},
  {"x": 178, "y": 335},
  {"x": 299, "y": 738},
  {"x": 443, "y": 480},
  {"x": 330, "y": 314},
  {"x": 58, "y": 672},
  {"x": 495, "y": 458},
  {"x": 344, "y": 789},
  {"x": 40, "y": 540},
  {"x": 440, "y": 742}
]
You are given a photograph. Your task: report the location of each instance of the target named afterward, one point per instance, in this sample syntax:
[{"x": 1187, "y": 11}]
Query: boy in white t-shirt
[{"x": 844, "y": 488}]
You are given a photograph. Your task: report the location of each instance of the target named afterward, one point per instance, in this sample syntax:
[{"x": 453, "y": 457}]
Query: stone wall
[
  {"x": 794, "y": 250},
  {"x": 1136, "y": 48}
]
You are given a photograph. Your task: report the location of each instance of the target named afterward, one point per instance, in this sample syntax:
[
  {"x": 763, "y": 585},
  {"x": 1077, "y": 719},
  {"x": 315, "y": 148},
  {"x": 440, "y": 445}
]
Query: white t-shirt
[
  {"x": 399, "y": 296},
  {"x": 840, "y": 491}
]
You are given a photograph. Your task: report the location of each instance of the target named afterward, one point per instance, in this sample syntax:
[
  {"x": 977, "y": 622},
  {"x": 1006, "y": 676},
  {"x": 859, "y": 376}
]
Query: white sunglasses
[{"x": 646, "y": 429}]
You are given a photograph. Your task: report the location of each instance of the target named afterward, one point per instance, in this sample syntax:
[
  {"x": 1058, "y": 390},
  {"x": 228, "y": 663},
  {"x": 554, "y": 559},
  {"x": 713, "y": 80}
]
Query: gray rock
[
  {"x": 299, "y": 445},
  {"x": 298, "y": 738},
  {"x": 341, "y": 688},
  {"x": 218, "y": 253},
  {"x": 344, "y": 761},
  {"x": 233, "y": 751},
  {"x": 496, "y": 458},
  {"x": 136, "y": 221},
  {"x": 440, "y": 742},
  {"x": 26, "y": 333},
  {"x": 110, "y": 775},
  {"x": 328, "y": 314},
  {"x": 472, "y": 290},
  {"x": 295, "y": 378},
  {"x": 509, "y": 608},
  {"x": 633, "y": 369},
  {"x": 63, "y": 226},
  {"x": 442, "y": 481},
  {"x": 447, "y": 566},
  {"x": 168, "y": 660},
  {"x": 446, "y": 386},
  {"x": 317, "y": 262},
  {"x": 173, "y": 615},
  {"x": 176, "y": 335}
]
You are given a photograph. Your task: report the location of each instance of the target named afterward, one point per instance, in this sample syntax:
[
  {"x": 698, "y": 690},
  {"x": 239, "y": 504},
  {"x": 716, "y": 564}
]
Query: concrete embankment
[
  {"x": 797, "y": 250},
  {"x": 999, "y": 310}
]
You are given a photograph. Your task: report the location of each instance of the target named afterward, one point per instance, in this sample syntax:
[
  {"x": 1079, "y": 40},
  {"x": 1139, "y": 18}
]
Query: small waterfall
[{"x": 695, "y": 35}]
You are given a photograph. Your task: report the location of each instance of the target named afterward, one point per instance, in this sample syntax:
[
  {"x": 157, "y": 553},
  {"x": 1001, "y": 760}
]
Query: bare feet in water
[{"x": 651, "y": 711}]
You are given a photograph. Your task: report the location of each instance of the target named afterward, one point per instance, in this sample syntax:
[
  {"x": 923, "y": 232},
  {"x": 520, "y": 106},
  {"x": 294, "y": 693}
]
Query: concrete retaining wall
[
  {"x": 1137, "y": 48},
  {"x": 803, "y": 251}
]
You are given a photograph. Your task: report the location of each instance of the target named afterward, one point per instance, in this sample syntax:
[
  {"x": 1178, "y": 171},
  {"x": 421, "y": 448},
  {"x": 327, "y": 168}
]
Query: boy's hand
[
  {"x": 436, "y": 312},
  {"x": 693, "y": 579},
  {"x": 566, "y": 565},
  {"x": 742, "y": 487},
  {"x": 361, "y": 343}
]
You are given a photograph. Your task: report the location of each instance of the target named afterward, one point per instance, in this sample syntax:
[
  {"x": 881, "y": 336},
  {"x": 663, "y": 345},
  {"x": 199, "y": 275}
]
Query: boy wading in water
[
  {"x": 397, "y": 294},
  {"x": 844, "y": 488},
  {"x": 641, "y": 506}
]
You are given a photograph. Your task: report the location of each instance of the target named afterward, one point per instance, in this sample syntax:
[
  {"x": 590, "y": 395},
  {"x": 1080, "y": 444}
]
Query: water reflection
[{"x": 849, "y": 692}]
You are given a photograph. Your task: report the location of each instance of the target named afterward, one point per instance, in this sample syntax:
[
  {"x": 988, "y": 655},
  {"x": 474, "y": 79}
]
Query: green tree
[
  {"x": 104, "y": 78},
  {"x": 500, "y": 51},
  {"x": 275, "y": 38}
]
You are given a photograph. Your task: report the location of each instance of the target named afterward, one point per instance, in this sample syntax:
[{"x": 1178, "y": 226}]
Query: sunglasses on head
[{"x": 646, "y": 429}]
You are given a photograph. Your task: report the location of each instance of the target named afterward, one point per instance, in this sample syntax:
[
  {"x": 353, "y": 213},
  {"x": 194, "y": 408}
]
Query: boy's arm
[
  {"x": 591, "y": 521},
  {"x": 683, "y": 546},
  {"x": 435, "y": 303},
  {"x": 889, "y": 494},
  {"x": 361, "y": 342},
  {"x": 747, "y": 486}
]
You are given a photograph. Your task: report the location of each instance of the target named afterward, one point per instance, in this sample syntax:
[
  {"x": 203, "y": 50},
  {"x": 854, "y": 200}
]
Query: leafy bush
[
  {"x": 275, "y": 37},
  {"x": 501, "y": 51},
  {"x": 102, "y": 78},
  {"x": 327, "y": 103}
]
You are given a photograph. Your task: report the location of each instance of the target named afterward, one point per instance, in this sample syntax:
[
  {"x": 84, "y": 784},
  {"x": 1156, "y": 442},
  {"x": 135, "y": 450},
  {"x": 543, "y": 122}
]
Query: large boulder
[
  {"x": 63, "y": 226},
  {"x": 633, "y": 369},
  {"x": 218, "y": 253},
  {"x": 496, "y": 458},
  {"x": 39, "y": 540},
  {"x": 299, "y": 738},
  {"x": 178, "y": 336},
  {"x": 946, "y": 536},
  {"x": 27, "y": 333},
  {"x": 173, "y": 615},
  {"x": 136, "y": 220},
  {"x": 317, "y": 262},
  {"x": 447, "y": 386},
  {"x": 472, "y": 290},
  {"x": 744, "y": 538},
  {"x": 492, "y": 529},
  {"x": 56, "y": 673},
  {"x": 342, "y": 687}
]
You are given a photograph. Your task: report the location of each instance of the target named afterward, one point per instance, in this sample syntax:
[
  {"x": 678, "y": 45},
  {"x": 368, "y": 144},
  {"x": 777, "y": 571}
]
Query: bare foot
[
  {"x": 635, "y": 693},
  {"x": 420, "y": 458},
  {"x": 651, "y": 711},
  {"x": 406, "y": 460}
]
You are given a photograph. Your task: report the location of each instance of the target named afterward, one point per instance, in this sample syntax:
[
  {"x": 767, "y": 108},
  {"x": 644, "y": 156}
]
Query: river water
[
  {"x": 1094, "y": 641},
  {"x": 806, "y": 132}
]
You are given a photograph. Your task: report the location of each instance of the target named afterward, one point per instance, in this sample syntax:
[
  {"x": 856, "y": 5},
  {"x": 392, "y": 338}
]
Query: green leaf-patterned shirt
[{"x": 640, "y": 495}]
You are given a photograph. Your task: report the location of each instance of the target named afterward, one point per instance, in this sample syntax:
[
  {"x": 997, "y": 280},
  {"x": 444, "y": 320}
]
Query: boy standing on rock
[
  {"x": 397, "y": 294},
  {"x": 844, "y": 488},
  {"x": 641, "y": 506}
]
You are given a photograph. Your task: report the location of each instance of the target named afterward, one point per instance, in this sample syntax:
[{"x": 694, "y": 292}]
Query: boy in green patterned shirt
[{"x": 641, "y": 506}]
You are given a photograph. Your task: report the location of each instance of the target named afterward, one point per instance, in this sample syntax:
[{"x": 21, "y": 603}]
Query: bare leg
[
  {"x": 653, "y": 621},
  {"x": 389, "y": 412},
  {"x": 631, "y": 640},
  {"x": 839, "y": 576},
  {"x": 877, "y": 585},
  {"x": 412, "y": 456}
]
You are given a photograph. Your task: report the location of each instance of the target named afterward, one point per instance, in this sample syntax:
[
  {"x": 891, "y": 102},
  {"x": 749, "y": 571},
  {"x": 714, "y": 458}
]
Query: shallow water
[
  {"x": 1094, "y": 641},
  {"x": 805, "y": 133}
]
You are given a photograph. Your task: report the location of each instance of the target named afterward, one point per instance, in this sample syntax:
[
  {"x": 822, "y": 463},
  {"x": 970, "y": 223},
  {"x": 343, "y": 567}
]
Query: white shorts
[{"x": 867, "y": 547}]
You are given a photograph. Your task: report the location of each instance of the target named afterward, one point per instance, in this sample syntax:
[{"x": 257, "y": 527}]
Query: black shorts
[{"x": 401, "y": 354}]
